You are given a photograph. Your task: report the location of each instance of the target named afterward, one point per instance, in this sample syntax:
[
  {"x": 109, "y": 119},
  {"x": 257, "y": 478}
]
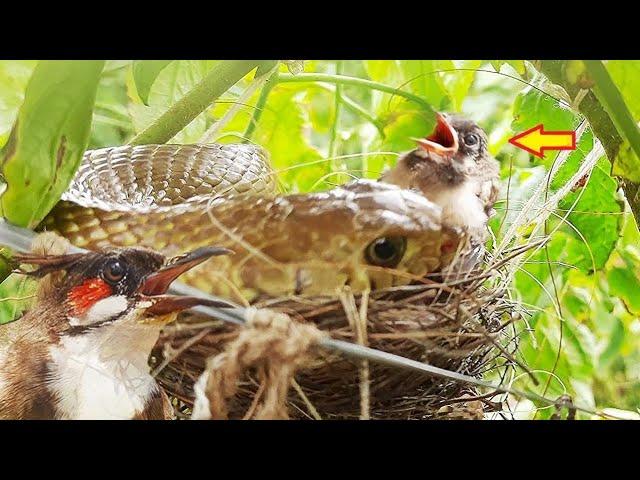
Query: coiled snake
[{"x": 177, "y": 197}]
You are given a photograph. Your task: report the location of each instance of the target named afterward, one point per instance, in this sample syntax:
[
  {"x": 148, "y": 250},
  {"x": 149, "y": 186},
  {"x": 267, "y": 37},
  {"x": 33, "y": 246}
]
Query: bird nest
[{"x": 462, "y": 326}]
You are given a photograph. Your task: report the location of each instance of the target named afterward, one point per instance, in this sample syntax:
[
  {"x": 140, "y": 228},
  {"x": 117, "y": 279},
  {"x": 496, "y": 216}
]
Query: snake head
[{"x": 363, "y": 235}]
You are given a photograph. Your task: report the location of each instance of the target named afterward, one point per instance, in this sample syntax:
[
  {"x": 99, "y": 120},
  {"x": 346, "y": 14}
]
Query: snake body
[{"x": 178, "y": 197}]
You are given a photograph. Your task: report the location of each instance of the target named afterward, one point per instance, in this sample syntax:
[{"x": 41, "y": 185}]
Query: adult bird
[{"x": 81, "y": 351}]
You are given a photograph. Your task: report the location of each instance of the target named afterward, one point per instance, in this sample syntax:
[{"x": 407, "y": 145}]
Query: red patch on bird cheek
[{"x": 84, "y": 296}]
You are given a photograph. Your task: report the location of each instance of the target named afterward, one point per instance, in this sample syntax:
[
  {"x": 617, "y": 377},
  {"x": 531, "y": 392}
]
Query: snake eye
[
  {"x": 386, "y": 251},
  {"x": 114, "y": 271}
]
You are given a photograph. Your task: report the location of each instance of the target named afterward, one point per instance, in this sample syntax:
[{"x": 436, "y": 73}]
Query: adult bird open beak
[
  {"x": 155, "y": 286},
  {"x": 442, "y": 144}
]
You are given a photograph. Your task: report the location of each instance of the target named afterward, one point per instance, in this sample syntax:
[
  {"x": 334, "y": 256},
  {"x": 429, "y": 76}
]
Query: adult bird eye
[
  {"x": 114, "y": 271},
  {"x": 471, "y": 139},
  {"x": 386, "y": 251}
]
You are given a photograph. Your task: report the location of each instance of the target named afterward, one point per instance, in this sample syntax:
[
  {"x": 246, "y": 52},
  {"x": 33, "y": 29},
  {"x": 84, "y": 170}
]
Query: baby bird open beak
[
  {"x": 442, "y": 144},
  {"x": 156, "y": 285}
]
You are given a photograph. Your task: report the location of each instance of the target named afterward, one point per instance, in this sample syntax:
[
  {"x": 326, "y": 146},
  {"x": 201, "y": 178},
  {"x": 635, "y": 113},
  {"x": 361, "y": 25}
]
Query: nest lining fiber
[{"x": 461, "y": 327}]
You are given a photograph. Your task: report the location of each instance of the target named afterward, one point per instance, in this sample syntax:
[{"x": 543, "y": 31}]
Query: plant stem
[
  {"x": 259, "y": 79},
  {"x": 262, "y": 101},
  {"x": 614, "y": 104},
  {"x": 359, "y": 82},
  {"x": 333, "y": 134},
  {"x": 358, "y": 110},
  {"x": 222, "y": 77},
  {"x": 600, "y": 121}
]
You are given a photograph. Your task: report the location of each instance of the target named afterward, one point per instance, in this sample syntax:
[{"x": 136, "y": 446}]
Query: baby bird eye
[
  {"x": 471, "y": 139},
  {"x": 386, "y": 251},
  {"x": 114, "y": 271}
]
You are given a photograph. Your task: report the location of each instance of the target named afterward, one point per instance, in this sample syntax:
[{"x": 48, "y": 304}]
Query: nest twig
[{"x": 465, "y": 327}]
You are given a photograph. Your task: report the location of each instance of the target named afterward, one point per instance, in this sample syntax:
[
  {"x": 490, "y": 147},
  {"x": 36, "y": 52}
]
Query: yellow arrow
[{"x": 536, "y": 140}]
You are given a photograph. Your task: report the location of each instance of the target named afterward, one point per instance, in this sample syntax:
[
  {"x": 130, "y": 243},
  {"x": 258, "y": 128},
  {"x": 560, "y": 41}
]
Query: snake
[{"x": 364, "y": 234}]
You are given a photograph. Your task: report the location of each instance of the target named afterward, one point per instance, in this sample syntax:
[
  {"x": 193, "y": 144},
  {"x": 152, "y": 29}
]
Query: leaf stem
[
  {"x": 359, "y": 82},
  {"x": 262, "y": 101},
  {"x": 358, "y": 110},
  {"x": 221, "y": 77},
  {"x": 333, "y": 133}
]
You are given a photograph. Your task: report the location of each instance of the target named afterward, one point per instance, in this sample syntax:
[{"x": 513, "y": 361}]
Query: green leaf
[
  {"x": 614, "y": 344},
  {"x": 281, "y": 131},
  {"x": 596, "y": 213},
  {"x": 145, "y": 73},
  {"x": 518, "y": 65},
  {"x": 423, "y": 78},
  {"x": 579, "y": 349},
  {"x": 627, "y": 164},
  {"x": 457, "y": 83},
  {"x": 533, "y": 107},
  {"x": 111, "y": 120},
  {"x": 625, "y": 284},
  {"x": 14, "y": 75},
  {"x": 619, "y": 112},
  {"x": 597, "y": 217},
  {"x": 48, "y": 138},
  {"x": 16, "y": 293},
  {"x": 626, "y": 76},
  {"x": 171, "y": 84},
  {"x": 383, "y": 71}
]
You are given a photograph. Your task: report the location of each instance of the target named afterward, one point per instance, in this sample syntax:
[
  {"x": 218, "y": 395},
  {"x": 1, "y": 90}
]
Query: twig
[{"x": 221, "y": 77}]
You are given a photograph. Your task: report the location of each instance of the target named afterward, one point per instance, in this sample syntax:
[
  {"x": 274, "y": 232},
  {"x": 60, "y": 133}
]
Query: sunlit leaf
[
  {"x": 626, "y": 76},
  {"x": 518, "y": 65},
  {"x": 48, "y": 138},
  {"x": 595, "y": 208},
  {"x": 533, "y": 107},
  {"x": 14, "y": 75},
  {"x": 145, "y": 73},
  {"x": 424, "y": 78},
  {"x": 171, "y": 84},
  {"x": 16, "y": 295},
  {"x": 111, "y": 120},
  {"x": 281, "y": 132},
  {"x": 614, "y": 344},
  {"x": 625, "y": 283},
  {"x": 458, "y": 82},
  {"x": 627, "y": 164}
]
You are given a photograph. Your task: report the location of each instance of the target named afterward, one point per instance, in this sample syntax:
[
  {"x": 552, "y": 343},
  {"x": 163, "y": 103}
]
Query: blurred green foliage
[{"x": 582, "y": 336}]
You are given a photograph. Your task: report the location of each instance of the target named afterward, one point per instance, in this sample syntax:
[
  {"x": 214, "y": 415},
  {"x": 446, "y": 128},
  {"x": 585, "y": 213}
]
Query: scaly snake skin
[{"x": 175, "y": 198}]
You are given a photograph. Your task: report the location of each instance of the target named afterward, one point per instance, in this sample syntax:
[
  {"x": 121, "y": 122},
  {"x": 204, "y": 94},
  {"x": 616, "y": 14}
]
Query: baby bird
[{"x": 452, "y": 168}]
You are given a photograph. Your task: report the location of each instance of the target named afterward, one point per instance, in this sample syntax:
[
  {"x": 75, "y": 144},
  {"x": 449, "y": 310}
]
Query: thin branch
[
  {"x": 262, "y": 101},
  {"x": 358, "y": 109},
  {"x": 221, "y": 77},
  {"x": 214, "y": 129},
  {"x": 333, "y": 132},
  {"x": 359, "y": 82},
  {"x": 601, "y": 123}
]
